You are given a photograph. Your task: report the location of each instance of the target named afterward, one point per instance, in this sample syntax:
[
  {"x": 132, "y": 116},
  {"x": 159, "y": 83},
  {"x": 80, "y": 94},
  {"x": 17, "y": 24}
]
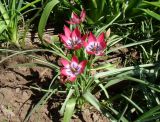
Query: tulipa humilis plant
[{"x": 84, "y": 71}]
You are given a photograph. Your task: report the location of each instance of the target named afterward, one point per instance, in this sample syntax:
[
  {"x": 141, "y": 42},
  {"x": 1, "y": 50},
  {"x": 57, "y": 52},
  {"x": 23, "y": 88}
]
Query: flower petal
[
  {"x": 64, "y": 71},
  {"x": 74, "y": 16},
  {"x": 63, "y": 38},
  {"x": 67, "y": 32},
  {"x": 84, "y": 37},
  {"x": 90, "y": 52},
  {"x": 77, "y": 32},
  {"x": 85, "y": 44},
  {"x": 100, "y": 37},
  {"x": 78, "y": 46},
  {"x": 64, "y": 62},
  {"x": 91, "y": 38},
  {"x": 103, "y": 45},
  {"x": 70, "y": 22},
  {"x": 74, "y": 19},
  {"x": 82, "y": 65},
  {"x": 72, "y": 78},
  {"x": 83, "y": 15},
  {"x": 74, "y": 59}
]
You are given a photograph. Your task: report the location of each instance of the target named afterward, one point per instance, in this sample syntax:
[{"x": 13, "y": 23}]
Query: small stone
[
  {"x": 17, "y": 90},
  {"x": 25, "y": 95}
]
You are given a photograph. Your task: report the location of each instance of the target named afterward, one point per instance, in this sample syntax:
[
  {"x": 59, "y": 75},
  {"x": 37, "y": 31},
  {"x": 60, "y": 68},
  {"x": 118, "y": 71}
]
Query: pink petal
[
  {"x": 67, "y": 31},
  {"x": 74, "y": 59},
  {"x": 85, "y": 44},
  {"x": 63, "y": 38},
  {"x": 90, "y": 52},
  {"x": 70, "y": 22},
  {"x": 77, "y": 32},
  {"x": 82, "y": 65},
  {"x": 83, "y": 15},
  {"x": 77, "y": 46},
  {"x": 64, "y": 62},
  {"x": 68, "y": 47},
  {"x": 72, "y": 78},
  {"x": 91, "y": 38},
  {"x": 84, "y": 37},
  {"x": 74, "y": 16},
  {"x": 103, "y": 44},
  {"x": 101, "y": 37},
  {"x": 64, "y": 71}
]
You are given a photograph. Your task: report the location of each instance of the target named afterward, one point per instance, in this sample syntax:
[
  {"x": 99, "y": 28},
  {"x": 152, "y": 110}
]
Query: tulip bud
[{"x": 108, "y": 33}]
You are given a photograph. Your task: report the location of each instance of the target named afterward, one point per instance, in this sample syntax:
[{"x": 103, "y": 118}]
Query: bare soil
[{"x": 17, "y": 98}]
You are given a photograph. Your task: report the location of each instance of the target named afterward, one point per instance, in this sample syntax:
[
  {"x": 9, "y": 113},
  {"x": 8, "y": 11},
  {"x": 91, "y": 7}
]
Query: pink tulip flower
[
  {"x": 72, "y": 40},
  {"x": 95, "y": 46},
  {"x": 72, "y": 68},
  {"x": 75, "y": 19}
]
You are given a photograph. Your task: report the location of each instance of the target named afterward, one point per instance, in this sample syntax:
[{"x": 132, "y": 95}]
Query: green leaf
[
  {"x": 4, "y": 13},
  {"x": 133, "y": 4},
  {"x": 91, "y": 99},
  {"x": 130, "y": 45},
  {"x": 3, "y": 27},
  {"x": 66, "y": 100},
  {"x": 70, "y": 106},
  {"x": 28, "y": 5},
  {"x": 116, "y": 71},
  {"x": 156, "y": 4},
  {"x": 148, "y": 114},
  {"x": 133, "y": 103},
  {"x": 43, "y": 20},
  {"x": 151, "y": 13},
  {"x": 106, "y": 26},
  {"x": 102, "y": 87}
]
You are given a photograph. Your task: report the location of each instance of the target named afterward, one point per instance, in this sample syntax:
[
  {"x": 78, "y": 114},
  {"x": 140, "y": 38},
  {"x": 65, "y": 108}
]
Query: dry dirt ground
[{"x": 17, "y": 98}]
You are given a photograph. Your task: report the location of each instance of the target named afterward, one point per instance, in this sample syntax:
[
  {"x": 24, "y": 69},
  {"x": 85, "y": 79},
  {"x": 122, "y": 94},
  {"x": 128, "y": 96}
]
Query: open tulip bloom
[
  {"x": 72, "y": 40},
  {"x": 72, "y": 68},
  {"x": 95, "y": 46},
  {"x": 75, "y": 19}
]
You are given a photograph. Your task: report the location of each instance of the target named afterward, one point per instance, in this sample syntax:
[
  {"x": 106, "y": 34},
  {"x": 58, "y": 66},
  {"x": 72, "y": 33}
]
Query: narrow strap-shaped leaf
[
  {"x": 93, "y": 101},
  {"x": 66, "y": 100},
  {"x": 70, "y": 106},
  {"x": 133, "y": 103},
  {"x": 109, "y": 73},
  {"x": 148, "y": 114},
  {"x": 4, "y": 13},
  {"x": 157, "y": 3},
  {"x": 151, "y": 13},
  {"x": 102, "y": 87},
  {"x": 28, "y": 5},
  {"x": 43, "y": 20},
  {"x": 106, "y": 26},
  {"x": 130, "y": 45}
]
